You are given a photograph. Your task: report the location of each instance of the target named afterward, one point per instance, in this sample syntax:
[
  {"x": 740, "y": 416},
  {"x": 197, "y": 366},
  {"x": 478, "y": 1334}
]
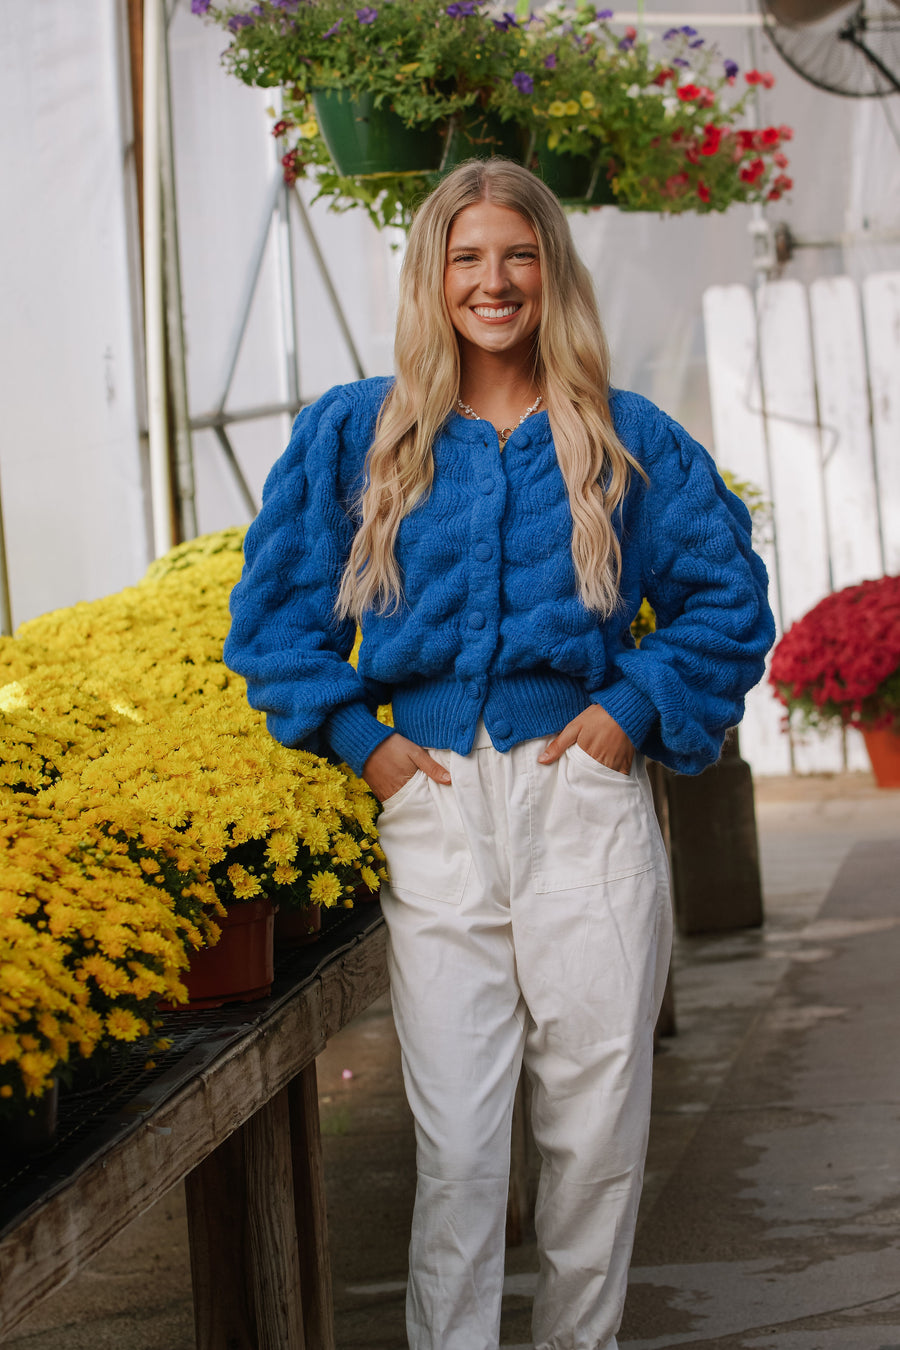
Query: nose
[{"x": 495, "y": 277}]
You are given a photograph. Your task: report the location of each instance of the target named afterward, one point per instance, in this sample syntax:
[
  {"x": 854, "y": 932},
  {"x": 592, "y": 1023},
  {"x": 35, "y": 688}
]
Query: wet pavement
[{"x": 771, "y": 1211}]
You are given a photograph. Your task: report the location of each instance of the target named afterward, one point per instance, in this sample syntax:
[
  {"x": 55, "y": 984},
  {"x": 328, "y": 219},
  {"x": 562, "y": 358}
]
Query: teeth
[{"x": 488, "y": 312}]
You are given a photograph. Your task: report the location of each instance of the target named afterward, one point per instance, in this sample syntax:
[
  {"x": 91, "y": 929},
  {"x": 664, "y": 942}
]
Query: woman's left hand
[{"x": 598, "y": 734}]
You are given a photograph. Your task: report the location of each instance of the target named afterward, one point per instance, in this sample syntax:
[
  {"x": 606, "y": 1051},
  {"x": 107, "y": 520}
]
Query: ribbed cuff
[
  {"x": 632, "y": 710},
  {"x": 353, "y": 732}
]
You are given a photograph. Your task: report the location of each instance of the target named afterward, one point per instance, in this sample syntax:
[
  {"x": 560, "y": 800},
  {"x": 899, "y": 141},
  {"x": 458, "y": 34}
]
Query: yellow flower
[
  {"x": 557, "y": 109},
  {"x": 124, "y": 1026},
  {"x": 571, "y": 108},
  {"x": 243, "y": 884},
  {"x": 553, "y": 140},
  {"x": 324, "y": 889},
  {"x": 587, "y": 99},
  {"x": 307, "y": 130}
]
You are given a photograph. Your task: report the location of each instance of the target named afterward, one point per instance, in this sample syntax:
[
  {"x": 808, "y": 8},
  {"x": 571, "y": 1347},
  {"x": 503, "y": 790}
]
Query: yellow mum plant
[
  {"x": 91, "y": 937},
  {"x": 139, "y": 791}
]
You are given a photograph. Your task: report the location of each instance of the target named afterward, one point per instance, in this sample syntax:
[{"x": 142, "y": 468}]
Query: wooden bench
[{"x": 237, "y": 1118}]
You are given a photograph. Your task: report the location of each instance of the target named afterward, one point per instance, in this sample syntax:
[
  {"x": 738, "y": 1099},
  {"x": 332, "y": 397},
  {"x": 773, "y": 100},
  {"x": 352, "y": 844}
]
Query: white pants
[{"x": 528, "y": 915}]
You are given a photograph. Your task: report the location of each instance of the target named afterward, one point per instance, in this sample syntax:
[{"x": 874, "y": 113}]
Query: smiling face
[{"x": 492, "y": 279}]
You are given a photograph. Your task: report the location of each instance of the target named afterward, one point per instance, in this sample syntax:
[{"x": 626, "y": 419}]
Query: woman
[{"x": 492, "y": 518}]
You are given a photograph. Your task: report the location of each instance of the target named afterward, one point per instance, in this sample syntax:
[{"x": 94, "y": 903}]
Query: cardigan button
[
  {"x": 483, "y": 552},
  {"x": 487, "y": 486},
  {"x": 474, "y": 690},
  {"x": 476, "y": 619},
  {"x": 503, "y": 730}
]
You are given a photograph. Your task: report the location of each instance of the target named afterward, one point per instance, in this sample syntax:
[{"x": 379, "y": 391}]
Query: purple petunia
[
  {"x": 550, "y": 61},
  {"x": 239, "y": 21},
  {"x": 367, "y": 14},
  {"x": 523, "y": 82},
  {"x": 680, "y": 61},
  {"x": 603, "y": 14},
  {"x": 200, "y": 6},
  {"x": 335, "y": 28},
  {"x": 626, "y": 44},
  {"x": 688, "y": 31},
  {"x": 731, "y": 68},
  {"x": 460, "y": 8},
  {"x": 670, "y": 33},
  {"x": 697, "y": 42}
]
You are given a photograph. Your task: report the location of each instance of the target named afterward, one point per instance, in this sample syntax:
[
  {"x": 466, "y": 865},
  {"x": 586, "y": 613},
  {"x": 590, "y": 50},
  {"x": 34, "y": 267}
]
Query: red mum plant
[{"x": 841, "y": 661}]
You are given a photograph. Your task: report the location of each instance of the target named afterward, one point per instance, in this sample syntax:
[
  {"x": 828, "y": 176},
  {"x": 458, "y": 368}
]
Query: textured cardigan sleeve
[
  {"x": 285, "y": 639},
  {"x": 680, "y": 692}
]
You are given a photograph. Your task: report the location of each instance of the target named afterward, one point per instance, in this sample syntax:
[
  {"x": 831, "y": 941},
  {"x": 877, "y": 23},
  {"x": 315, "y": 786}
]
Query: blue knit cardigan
[{"x": 491, "y": 625}]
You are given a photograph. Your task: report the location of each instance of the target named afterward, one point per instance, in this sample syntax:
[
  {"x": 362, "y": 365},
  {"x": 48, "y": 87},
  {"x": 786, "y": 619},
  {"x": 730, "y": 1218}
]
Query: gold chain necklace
[{"x": 505, "y": 432}]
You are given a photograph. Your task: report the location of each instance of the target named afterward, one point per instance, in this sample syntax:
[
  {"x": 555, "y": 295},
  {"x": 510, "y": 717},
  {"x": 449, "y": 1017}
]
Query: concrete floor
[{"x": 770, "y": 1212}]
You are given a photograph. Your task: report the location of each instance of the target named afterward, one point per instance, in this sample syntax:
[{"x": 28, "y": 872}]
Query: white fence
[{"x": 805, "y": 390}]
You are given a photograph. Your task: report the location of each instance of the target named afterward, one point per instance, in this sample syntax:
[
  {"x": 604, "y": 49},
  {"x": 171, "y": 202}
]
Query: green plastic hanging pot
[
  {"x": 369, "y": 142},
  {"x": 476, "y": 134},
  {"x": 577, "y": 180}
]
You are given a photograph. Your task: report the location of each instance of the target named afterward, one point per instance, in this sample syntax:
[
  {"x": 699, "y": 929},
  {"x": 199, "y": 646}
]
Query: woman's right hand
[{"x": 393, "y": 763}]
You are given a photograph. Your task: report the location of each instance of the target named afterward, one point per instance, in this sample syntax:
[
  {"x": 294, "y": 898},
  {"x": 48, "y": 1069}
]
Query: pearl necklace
[{"x": 505, "y": 432}]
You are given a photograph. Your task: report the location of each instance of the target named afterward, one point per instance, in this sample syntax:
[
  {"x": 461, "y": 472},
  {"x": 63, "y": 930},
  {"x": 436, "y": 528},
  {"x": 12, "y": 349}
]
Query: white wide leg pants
[{"x": 528, "y": 915}]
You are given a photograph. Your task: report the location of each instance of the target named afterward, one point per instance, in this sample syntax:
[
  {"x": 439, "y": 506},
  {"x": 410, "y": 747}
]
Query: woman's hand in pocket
[
  {"x": 598, "y": 734},
  {"x": 393, "y": 763}
]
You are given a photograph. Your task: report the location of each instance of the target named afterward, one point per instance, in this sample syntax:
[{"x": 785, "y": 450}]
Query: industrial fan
[{"x": 851, "y": 49}]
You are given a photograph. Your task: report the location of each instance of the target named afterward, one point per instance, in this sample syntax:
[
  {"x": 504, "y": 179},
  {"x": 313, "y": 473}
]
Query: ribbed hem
[
  {"x": 443, "y": 715},
  {"x": 632, "y": 710},
  {"x": 353, "y": 732}
]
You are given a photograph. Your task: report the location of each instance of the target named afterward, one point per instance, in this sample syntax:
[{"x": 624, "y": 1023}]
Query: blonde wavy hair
[{"x": 571, "y": 369}]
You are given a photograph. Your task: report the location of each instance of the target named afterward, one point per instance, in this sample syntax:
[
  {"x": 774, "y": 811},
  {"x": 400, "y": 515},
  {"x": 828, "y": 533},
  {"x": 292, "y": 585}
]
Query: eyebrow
[{"x": 474, "y": 248}]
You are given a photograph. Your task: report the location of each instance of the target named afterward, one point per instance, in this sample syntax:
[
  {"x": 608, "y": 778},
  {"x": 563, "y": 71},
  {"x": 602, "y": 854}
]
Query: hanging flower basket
[
  {"x": 366, "y": 141},
  {"x": 671, "y": 111},
  {"x": 477, "y": 134},
  {"x": 577, "y": 180},
  {"x": 240, "y": 967}
]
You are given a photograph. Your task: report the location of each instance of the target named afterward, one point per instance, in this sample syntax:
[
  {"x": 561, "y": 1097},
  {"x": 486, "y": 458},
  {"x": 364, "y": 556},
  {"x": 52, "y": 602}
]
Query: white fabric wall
[
  {"x": 70, "y": 462},
  {"x": 225, "y": 162}
]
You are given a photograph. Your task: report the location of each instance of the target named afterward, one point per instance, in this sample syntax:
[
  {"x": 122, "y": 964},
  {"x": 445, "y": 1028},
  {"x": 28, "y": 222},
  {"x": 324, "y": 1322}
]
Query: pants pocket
[
  {"x": 424, "y": 842},
  {"x": 588, "y": 823}
]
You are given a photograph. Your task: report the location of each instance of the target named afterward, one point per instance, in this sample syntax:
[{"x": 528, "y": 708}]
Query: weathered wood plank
[
  {"x": 851, "y": 499},
  {"x": 739, "y": 428},
  {"x": 311, "y": 1211},
  {"x": 348, "y": 987},
  {"x": 219, "y": 1243},
  {"x": 881, "y": 308},
  {"x": 798, "y": 492},
  {"x": 274, "y": 1261},
  {"x": 62, "y": 1233}
]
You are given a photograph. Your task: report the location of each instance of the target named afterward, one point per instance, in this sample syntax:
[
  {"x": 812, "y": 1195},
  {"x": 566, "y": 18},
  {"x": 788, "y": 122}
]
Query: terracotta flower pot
[
  {"x": 240, "y": 967},
  {"x": 30, "y": 1129},
  {"x": 297, "y": 927},
  {"x": 884, "y": 753}
]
